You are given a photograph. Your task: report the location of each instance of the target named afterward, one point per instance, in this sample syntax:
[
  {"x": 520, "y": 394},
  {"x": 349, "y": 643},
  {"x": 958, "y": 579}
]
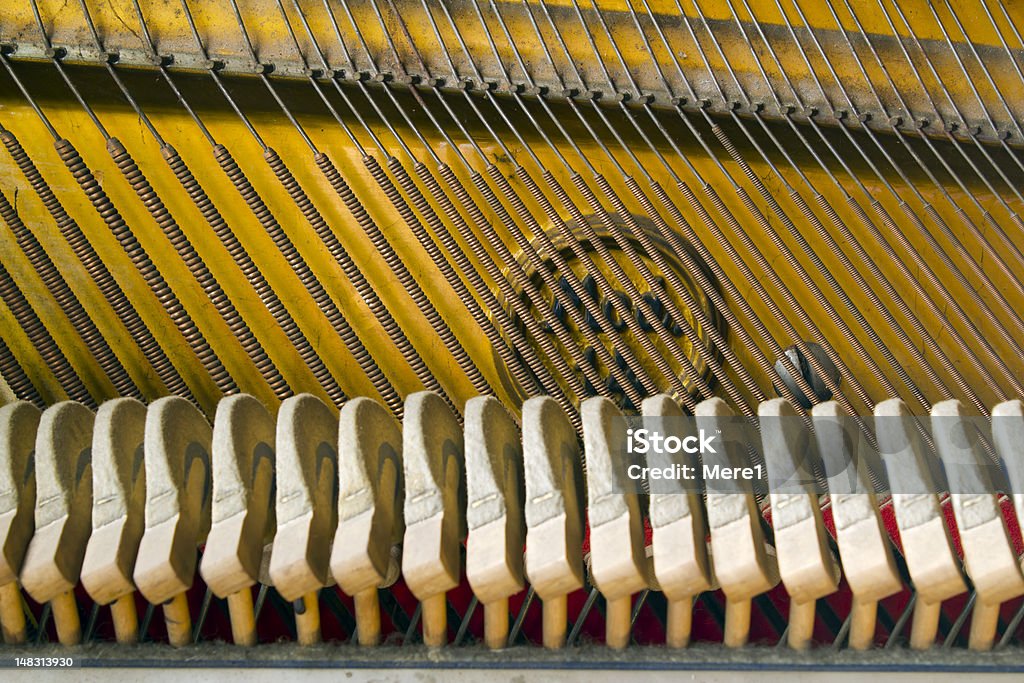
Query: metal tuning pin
[
  {"x": 864, "y": 546},
  {"x": 19, "y": 422},
  {"x": 435, "y": 504},
  {"x": 53, "y": 561},
  {"x": 678, "y": 529},
  {"x": 743, "y": 566},
  {"x": 806, "y": 565},
  {"x": 617, "y": 559},
  {"x": 177, "y": 457},
  {"x": 989, "y": 556},
  {"x": 494, "y": 513},
  {"x": 933, "y": 566},
  {"x": 242, "y": 513},
  {"x": 307, "y": 466},
  {"x": 118, "y": 511},
  {"x": 365, "y": 555},
  {"x": 554, "y": 512}
]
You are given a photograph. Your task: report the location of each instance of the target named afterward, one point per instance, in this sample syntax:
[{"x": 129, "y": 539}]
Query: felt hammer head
[
  {"x": 242, "y": 513},
  {"x": 19, "y": 422},
  {"x": 178, "y": 489},
  {"x": 307, "y": 491},
  {"x": 554, "y": 499},
  {"x": 742, "y": 565},
  {"x": 435, "y": 495},
  {"x": 494, "y": 493},
  {"x": 618, "y": 562},
  {"x": 678, "y": 527},
  {"x": 119, "y": 499},
  {"x": 63, "y": 509},
  {"x": 370, "y": 495}
]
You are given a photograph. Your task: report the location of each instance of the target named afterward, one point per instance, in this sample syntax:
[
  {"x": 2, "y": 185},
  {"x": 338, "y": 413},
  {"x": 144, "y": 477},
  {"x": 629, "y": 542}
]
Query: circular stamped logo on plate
[{"x": 604, "y": 318}]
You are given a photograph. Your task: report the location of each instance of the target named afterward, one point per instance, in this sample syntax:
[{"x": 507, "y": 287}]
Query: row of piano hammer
[{"x": 119, "y": 500}]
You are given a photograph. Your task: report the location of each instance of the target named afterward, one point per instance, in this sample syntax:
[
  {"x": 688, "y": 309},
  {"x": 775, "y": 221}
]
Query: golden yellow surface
[{"x": 178, "y": 129}]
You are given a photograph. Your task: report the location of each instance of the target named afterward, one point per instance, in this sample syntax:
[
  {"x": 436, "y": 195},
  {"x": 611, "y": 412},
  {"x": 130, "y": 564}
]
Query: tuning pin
[
  {"x": 369, "y": 508},
  {"x": 805, "y": 563},
  {"x": 63, "y": 514},
  {"x": 864, "y": 545},
  {"x": 678, "y": 528},
  {"x": 242, "y": 516},
  {"x": 743, "y": 567},
  {"x": 554, "y": 512},
  {"x": 494, "y": 512},
  {"x": 307, "y": 466},
  {"x": 118, "y": 512},
  {"x": 435, "y": 497},
  {"x": 931, "y": 561},
  {"x": 177, "y": 458},
  {"x": 989, "y": 557},
  {"x": 19, "y": 422},
  {"x": 617, "y": 560}
]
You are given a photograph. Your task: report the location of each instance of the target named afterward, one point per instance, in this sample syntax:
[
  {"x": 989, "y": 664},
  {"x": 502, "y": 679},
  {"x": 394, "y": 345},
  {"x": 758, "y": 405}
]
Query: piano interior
[{"x": 329, "y": 327}]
